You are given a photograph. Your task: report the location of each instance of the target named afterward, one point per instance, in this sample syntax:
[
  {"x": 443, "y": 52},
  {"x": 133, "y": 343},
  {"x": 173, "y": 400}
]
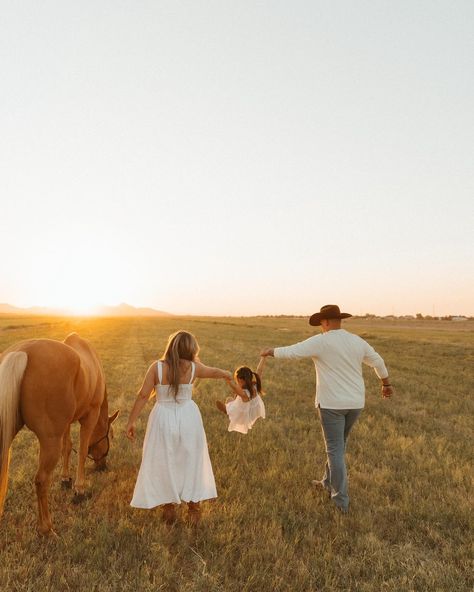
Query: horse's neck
[{"x": 102, "y": 422}]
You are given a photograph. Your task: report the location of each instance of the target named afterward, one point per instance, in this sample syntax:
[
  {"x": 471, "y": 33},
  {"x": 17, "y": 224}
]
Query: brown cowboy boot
[
  {"x": 194, "y": 513},
  {"x": 169, "y": 514}
]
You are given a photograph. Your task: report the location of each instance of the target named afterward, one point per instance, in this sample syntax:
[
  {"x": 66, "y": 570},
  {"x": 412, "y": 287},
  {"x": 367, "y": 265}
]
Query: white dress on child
[
  {"x": 243, "y": 414},
  {"x": 175, "y": 462}
]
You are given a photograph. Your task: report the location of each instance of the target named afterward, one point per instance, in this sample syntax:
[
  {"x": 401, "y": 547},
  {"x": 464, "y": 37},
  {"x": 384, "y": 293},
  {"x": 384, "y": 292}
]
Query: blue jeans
[{"x": 336, "y": 425}]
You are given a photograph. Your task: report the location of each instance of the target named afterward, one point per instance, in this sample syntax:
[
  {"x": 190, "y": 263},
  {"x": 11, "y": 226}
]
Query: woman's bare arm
[
  {"x": 142, "y": 397},
  {"x": 203, "y": 371}
]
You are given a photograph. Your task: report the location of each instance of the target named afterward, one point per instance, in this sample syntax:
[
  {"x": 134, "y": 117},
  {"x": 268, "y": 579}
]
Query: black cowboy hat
[{"x": 328, "y": 311}]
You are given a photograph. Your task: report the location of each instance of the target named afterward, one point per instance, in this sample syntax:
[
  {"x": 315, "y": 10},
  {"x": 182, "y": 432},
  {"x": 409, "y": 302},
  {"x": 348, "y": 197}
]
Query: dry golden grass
[{"x": 410, "y": 463}]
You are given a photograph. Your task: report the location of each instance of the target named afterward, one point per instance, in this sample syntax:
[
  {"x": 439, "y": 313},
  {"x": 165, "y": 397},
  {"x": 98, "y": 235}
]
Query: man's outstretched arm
[{"x": 309, "y": 348}]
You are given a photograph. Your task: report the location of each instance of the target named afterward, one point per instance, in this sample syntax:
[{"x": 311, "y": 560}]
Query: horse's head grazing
[{"x": 99, "y": 448}]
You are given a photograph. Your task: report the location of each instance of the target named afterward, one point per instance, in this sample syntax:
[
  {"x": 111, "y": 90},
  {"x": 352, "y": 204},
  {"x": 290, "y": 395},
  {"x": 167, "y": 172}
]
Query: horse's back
[{"x": 48, "y": 359}]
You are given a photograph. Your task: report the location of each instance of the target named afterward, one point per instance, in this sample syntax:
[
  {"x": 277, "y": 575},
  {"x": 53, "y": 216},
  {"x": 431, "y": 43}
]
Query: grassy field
[{"x": 410, "y": 465}]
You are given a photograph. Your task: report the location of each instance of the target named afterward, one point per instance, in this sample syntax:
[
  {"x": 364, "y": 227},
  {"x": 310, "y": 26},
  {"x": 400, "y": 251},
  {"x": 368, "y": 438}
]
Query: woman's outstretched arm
[{"x": 203, "y": 371}]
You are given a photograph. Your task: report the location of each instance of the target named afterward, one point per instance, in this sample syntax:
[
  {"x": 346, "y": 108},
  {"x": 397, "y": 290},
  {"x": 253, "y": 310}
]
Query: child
[
  {"x": 246, "y": 406},
  {"x": 175, "y": 464}
]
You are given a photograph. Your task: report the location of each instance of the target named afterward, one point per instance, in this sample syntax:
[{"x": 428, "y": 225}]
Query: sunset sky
[{"x": 238, "y": 157}]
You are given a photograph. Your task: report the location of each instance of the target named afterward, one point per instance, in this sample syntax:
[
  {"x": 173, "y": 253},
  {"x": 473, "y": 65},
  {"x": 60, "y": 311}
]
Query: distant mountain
[
  {"x": 9, "y": 309},
  {"x": 126, "y": 310},
  {"x": 121, "y": 310},
  {"x": 32, "y": 310}
]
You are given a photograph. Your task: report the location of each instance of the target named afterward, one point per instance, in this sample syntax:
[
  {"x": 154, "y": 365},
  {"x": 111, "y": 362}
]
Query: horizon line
[{"x": 156, "y": 313}]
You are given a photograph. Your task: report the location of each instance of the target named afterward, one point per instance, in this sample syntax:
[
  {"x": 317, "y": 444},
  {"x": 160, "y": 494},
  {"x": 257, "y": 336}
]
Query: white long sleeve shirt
[{"x": 338, "y": 357}]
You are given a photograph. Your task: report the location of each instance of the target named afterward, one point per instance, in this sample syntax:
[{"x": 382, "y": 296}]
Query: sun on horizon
[{"x": 83, "y": 310}]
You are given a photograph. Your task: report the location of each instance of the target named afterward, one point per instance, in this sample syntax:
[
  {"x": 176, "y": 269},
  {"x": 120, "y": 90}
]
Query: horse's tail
[{"x": 12, "y": 369}]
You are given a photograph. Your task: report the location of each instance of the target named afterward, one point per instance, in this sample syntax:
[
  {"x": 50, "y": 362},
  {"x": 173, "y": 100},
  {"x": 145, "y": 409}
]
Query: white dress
[
  {"x": 243, "y": 414},
  {"x": 175, "y": 463}
]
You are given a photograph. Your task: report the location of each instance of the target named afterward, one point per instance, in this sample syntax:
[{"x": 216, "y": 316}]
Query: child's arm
[
  {"x": 238, "y": 390},
  {"x": 261, "y": 366}
]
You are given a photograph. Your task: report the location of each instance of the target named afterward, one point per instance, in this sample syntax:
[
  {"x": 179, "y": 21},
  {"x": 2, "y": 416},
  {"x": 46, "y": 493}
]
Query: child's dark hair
[{"x": 246, "y": 374}]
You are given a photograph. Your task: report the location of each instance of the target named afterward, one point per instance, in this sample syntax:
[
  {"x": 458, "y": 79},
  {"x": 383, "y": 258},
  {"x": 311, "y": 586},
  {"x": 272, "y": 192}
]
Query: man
[{"x": 340, "y": 391}]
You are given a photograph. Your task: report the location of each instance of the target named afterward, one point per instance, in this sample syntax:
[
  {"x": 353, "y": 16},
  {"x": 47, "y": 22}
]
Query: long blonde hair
[{"x": 181, "y": 346}]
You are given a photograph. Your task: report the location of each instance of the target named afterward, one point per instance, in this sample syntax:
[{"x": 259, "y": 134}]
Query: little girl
[
  {"x": 246, "y": 406},
  {"x": 175, "y": 463}
]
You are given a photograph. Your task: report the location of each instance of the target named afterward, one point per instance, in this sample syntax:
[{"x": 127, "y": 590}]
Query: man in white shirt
[{"x": 340, "y": 391}]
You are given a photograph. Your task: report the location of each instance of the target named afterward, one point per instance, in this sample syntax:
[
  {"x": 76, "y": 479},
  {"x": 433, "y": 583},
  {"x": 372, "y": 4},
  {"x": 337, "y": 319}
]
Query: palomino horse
[{"x": 46, "y": 385}]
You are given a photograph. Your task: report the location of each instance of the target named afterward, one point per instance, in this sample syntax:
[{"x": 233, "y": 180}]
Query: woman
[{"x": 175, "y": 464}]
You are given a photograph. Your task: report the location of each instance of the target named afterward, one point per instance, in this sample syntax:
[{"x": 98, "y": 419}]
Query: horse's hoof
[
  {"x": 66, "y": 483},
  {"x": 48, "y": 534},
  {"x": 81, "y": 497}
]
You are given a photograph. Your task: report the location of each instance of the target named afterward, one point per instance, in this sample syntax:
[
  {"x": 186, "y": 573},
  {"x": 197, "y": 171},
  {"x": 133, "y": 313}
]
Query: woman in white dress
[
  {"x": 247, "y": 405},
  {"x": 175, "y": 464}
]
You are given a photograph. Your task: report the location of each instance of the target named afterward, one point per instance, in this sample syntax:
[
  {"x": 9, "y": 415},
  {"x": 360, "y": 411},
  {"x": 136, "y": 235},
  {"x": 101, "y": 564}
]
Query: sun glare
[
  {"x": 82, "y": 289},
  {"x": 83, "y": 310},
  {"x": 78, "y": 305}
]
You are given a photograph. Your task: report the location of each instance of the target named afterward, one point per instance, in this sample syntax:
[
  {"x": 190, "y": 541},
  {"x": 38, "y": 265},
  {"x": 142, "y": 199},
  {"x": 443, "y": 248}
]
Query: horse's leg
[
  {"x": 88, "y": 424},
  {"x": 50, "y": 450},
  {"x": 66, "y": 479}
]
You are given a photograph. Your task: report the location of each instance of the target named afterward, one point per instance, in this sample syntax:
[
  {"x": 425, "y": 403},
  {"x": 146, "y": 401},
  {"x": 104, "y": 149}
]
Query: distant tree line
[
  {"x": 368, "y": 315},
  {"x": 417, "y": 317}
]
